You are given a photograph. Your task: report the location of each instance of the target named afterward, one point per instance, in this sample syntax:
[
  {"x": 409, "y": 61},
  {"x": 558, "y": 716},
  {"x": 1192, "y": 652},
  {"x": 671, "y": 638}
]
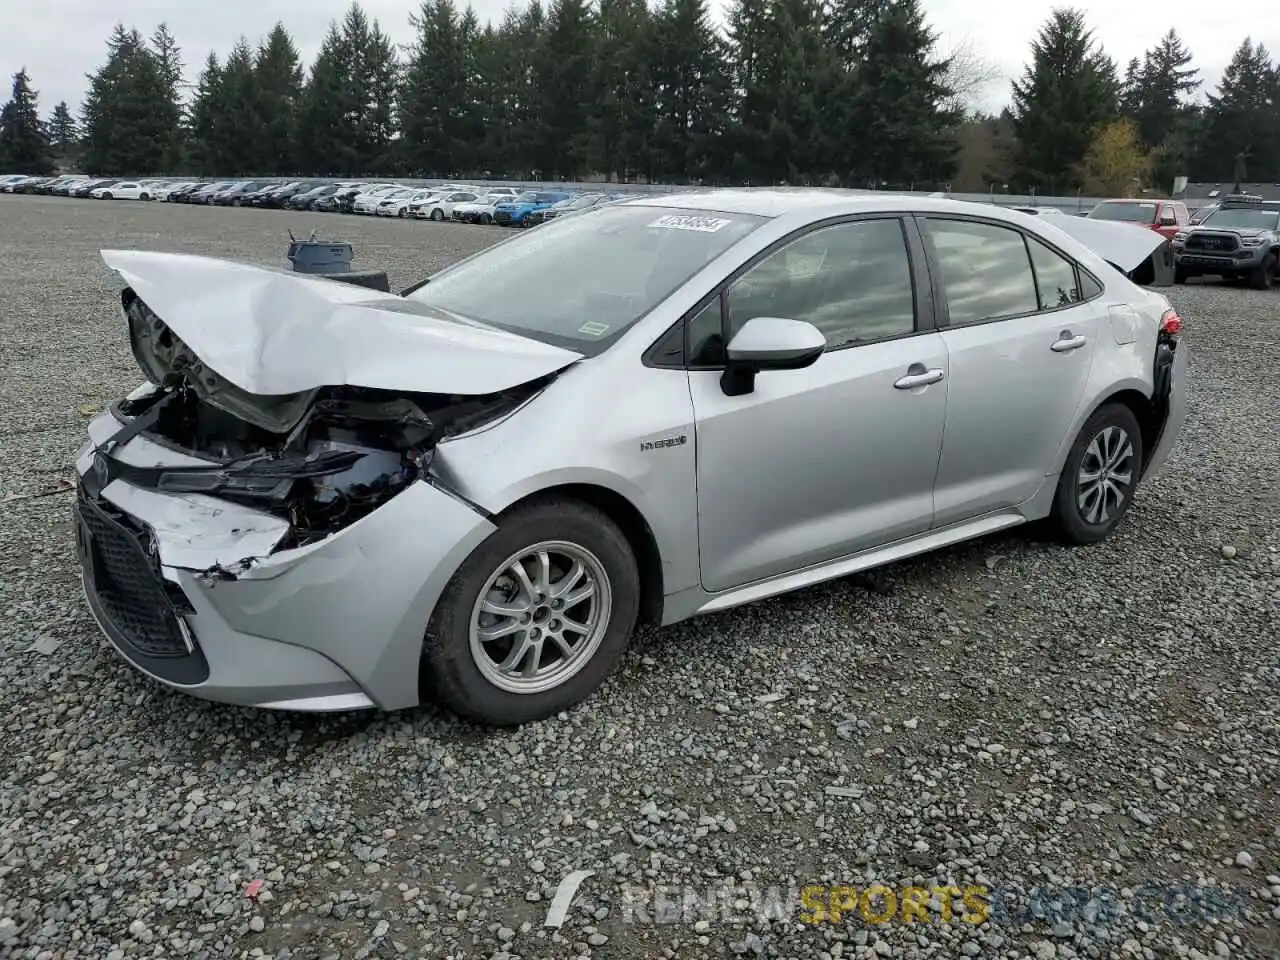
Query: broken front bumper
[{"x": 187, "y": 588}]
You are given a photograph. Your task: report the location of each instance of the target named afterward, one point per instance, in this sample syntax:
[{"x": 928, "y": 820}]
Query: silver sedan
[{"x": 328, "y": 497}]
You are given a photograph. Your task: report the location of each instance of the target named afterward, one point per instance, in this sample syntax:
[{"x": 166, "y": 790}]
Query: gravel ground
[{"x": 1008, "y": 714}]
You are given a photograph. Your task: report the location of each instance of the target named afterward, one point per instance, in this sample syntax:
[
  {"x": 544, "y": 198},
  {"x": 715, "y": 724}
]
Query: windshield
[
  {"x": 583, "y": 281},
  {"x": 529, "y": 197},
  {"x": 1135, "y": 212},
  {"x": 1243, "y": 218}
]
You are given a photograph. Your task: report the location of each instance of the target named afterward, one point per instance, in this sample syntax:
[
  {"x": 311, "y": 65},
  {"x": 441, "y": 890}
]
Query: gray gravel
[{"x": 1009, "y": 713}]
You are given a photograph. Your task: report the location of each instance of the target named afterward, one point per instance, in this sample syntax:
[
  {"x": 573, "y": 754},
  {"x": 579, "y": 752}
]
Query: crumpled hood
[
  {"x": 1126, "y": 245},
  {"x": 270, "y": 332}
]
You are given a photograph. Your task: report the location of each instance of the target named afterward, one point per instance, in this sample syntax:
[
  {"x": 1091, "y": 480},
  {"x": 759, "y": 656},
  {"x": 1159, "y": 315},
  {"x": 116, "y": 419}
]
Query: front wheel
[
  {"x": 403, "y": 214},
  {"x": 486, "y": 219},
  {"x": 536, "y": 618},
  {"x": 1179, "y": 275},
  {"x": 1262, "y": 277},
  {"x": 107, "y": 196},
  {"x": 1099, "y": 478},
  {"x": 437, "y": 214}
]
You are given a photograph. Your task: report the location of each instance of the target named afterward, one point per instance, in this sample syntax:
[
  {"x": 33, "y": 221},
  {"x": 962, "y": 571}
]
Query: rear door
[{"x": 1020, "y": 340}]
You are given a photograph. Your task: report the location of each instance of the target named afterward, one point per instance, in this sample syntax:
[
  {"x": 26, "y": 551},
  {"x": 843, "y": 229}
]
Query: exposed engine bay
[{"x": 321, "y": 459}]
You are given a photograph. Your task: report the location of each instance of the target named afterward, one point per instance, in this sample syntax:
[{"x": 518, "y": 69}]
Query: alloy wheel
[
  {"x": 540, "y": 617},
  {"x": 1106, "y": 475}
]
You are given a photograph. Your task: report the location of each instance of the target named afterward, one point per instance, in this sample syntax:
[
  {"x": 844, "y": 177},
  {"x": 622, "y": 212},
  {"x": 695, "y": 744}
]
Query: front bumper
[
  {"x": 188, "y": 590},
  {"x": 1245, "y": 260}
]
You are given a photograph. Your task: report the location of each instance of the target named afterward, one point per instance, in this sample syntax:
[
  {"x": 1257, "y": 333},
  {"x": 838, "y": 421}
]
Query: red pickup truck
[{"x": 1165, "y": 217}]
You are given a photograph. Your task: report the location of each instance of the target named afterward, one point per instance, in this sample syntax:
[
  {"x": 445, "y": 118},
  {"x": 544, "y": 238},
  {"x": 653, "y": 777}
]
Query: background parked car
[
  {"x": 122, "y": 190},
  {"x": 515, "y": 212},
  {"x": 570, "y": 205},
  {"x": 306, "y": 199},
  {"x": 395, "y": 203},
  {"x": 275, "y": 197},
  {"x": 83, "y": 190},
  {"x": 442, "y": 204},
  {"x": 235, "y": 196},
  {"x": 1165, "y": 217},
  {"x": 366, "y": 202},
  {"x": 481, "y": 210}
]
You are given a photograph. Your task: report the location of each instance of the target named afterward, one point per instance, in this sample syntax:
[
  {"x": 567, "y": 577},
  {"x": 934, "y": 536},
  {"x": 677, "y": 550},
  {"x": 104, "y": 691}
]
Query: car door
[
  {"x": 1020, "y": 338},
  {"x": 823, "y": 462}
]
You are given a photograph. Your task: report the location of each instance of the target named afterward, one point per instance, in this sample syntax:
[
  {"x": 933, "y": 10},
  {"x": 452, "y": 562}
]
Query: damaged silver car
[{"x": 328, "y": 497}]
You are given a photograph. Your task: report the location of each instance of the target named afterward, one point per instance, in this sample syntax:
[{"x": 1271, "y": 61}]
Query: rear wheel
[
  {"x": 1099, "y": 478},
  {"x": 404, "y": 213},
  {"x": 536, "y": 618},
  {"x": 143, "y": 196}
]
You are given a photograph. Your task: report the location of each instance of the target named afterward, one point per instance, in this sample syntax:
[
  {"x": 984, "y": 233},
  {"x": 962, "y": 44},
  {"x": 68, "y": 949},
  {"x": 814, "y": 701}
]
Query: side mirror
[{"x": 769, "y": 343}]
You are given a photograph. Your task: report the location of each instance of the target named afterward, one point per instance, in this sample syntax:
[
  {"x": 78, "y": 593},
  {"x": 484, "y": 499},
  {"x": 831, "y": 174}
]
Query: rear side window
[
  {"x": 1055, "y": 276},
  {"x": 986, "y": 270}
]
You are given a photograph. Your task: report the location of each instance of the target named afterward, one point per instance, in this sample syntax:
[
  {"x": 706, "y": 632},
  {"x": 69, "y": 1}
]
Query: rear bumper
[
  {"x": 1176, "y": 414},
  {"x": 190, "y": 590}
]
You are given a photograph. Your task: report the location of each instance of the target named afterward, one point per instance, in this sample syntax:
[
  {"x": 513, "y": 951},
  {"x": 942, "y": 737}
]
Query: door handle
[
  {"x": 918, "y": 376},
  {"x": 1066, "y": 342}
]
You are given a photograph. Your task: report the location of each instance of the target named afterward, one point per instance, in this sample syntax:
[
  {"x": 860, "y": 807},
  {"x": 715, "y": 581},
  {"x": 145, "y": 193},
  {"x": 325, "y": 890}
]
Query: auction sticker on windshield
[{"x": 673, "y": 221}]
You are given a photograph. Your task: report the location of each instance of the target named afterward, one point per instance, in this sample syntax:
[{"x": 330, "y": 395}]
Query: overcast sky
[{"x": 59, "y": 41}]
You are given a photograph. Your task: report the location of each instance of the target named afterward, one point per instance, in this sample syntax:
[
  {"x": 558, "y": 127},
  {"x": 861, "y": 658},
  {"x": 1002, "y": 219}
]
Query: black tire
[
  {"x": 403, "y": 214},
  {"x": 1067, "y": 518},
  {"x": 486, "y": 219},
  {"x": 1261, "y": 278},
  {"x": 107, "y": 196},
  {"x": 143, "y": 196},
  {"x": 449, "y": 671},
  {"x": 1179, "y": 275},
  {"x": 437, "y": 214}
]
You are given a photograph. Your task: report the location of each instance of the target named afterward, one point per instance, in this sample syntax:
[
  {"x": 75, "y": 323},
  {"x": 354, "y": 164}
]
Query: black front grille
[
  {"x": 126, "y": 582},
  {"x": 1216, "y": 242}
]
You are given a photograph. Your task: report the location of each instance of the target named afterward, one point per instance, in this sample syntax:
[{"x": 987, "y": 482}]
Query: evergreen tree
[
  {"x": 129, "y": 117},
  {"x": 206, "y": 108},
  {"x": 1241, "y": 119},
  {"x": 169, "y": 60},
  {"x": 1155, "y": 92},
  {"x": 24, "y": 142},
  {"x": 1066, "y": 93},
  {"x": 381, "y": 69},
  {"x": 691, "y": 93},
  {"x": 903, "y": 111},
  {"x": 436, "y": 99},
  {"x": 328, "y": 135},
  {"x": 622, "y": 120},
  {"x": 789, "y": 83},
  {"x": 563, "y": 71},
  {"x": 63, "y": 132},
  {"x": 277, "y": 78}
]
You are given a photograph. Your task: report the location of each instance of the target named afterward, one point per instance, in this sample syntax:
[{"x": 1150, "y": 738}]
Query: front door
[{"x": 820, "y": 463}]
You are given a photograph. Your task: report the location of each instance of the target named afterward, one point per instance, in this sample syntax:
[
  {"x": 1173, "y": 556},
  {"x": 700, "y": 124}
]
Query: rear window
[{"x": 1135, "y": 212}]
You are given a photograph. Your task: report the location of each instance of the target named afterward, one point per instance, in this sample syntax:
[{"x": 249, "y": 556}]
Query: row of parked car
[{"x": 505, "y": 206}]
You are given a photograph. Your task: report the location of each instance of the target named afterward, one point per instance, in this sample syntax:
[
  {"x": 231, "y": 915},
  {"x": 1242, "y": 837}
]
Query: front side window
[
  {"x": 584, "y": 281},
  {"x": 985, "y": 270},
  {"x": 852, "y": 281}
]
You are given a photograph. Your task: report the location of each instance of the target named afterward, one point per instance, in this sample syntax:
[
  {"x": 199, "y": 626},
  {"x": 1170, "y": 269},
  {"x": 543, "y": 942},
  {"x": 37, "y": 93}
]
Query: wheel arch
[{"x": 630, "y": 520}]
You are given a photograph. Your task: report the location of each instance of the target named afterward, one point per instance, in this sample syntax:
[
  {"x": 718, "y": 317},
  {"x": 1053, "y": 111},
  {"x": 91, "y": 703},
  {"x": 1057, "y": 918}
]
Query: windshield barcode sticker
[{"x": 672, "y": 221}]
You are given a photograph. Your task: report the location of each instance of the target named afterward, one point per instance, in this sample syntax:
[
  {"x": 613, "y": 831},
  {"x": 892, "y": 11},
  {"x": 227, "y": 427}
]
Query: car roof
[{"x": 772, "y": 202}]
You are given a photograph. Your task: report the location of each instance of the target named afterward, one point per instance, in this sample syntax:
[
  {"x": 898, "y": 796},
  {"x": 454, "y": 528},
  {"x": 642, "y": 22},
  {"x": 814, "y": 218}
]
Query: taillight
[{"x": 1170, "y": 323}]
